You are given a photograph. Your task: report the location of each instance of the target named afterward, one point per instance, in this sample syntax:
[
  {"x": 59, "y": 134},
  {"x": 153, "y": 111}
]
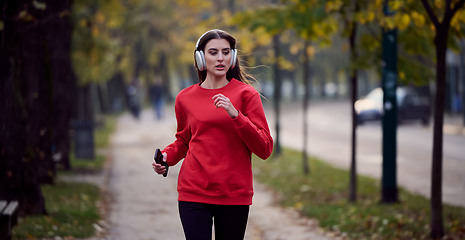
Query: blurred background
[{"x": 65, "y": 65}]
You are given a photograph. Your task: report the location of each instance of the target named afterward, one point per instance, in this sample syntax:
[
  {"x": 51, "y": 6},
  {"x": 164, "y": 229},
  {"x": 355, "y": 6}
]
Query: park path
[{"x": 143, "y": 205}]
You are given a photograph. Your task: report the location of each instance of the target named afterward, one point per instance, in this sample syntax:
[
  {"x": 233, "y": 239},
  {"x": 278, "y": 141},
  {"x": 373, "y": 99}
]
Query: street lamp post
[{"x": 389, "y": 122}]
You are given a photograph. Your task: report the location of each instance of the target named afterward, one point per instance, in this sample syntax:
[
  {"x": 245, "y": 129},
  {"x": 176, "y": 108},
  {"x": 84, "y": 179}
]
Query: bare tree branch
[
  {"x": 457, "y": 6},
  {"x": 450, "y": 12},
  {"x": 430, "y": 12},
  {"x": 447, "y": 12}
]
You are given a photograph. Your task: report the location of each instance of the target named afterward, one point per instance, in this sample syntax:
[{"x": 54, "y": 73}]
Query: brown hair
[{"x": 237, "y": 72}]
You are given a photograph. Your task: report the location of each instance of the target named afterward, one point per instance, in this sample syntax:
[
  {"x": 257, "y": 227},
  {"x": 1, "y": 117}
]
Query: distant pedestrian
[
  {"x": 134, "y": 98},
  {"x": 157, "y": 98},
  {"x": 221, "y": 122}
]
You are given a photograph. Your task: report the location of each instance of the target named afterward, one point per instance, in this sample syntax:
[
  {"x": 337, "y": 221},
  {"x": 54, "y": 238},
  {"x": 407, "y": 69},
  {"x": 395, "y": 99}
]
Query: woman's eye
[
  {"x": 226, "y": 52},
  {"x": 213, "y": 52}
]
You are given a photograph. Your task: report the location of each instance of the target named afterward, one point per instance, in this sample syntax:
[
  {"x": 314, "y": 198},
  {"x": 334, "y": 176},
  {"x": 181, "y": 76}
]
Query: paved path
[{"x": 144, "y": 205}]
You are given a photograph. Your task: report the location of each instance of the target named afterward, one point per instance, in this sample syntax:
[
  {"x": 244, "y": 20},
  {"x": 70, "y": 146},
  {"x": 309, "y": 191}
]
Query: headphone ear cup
[
  {"x": 200, "y": 60},
  {"x": 233, "y": 58}
]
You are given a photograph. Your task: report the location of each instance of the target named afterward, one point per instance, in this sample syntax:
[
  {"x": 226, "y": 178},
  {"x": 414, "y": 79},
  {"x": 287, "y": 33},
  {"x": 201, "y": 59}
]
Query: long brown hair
[{"x": 237, "y": 72}]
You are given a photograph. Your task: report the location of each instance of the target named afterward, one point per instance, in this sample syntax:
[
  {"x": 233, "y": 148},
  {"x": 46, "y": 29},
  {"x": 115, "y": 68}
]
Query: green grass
[
  {"x": 72, "y": 207},
  {"x": 323, "y": 195},
  {"x": 102, "y": 134},
  {"x": 85, "y": 165},
  {"x": 72, "y": 211}
]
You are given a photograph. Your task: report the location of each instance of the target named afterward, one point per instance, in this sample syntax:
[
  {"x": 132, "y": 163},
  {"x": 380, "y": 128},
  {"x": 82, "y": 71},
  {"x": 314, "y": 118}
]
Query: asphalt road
[{"x": 329, "y": 129}]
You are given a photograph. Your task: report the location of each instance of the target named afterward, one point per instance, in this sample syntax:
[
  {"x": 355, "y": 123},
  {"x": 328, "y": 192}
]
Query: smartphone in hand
[{"x": 158, "y": 157}]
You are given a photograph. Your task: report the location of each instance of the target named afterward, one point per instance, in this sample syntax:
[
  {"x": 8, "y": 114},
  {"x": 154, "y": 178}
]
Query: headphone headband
[{"x": 198, "y": 41}]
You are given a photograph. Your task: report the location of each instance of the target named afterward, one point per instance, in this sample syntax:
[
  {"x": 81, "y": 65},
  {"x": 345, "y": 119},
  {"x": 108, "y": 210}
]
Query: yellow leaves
[
  {"x": 64, "y": 13},
  {"x": 365, "y": 17},
  {"x": 282, "y": 61},
  {"x": 25, "y": 16},
  {"x": 249, "y": 41},
  {"x": 114, "y": 22},
  {"x": 263, "y": 38},
  {"x": 111, "y": 14},
  {"x": 285, "y": 64},
  {"x": 395, "y": 5},
  {"x": 294, "y": 48},
  {"x": 95, "y": 31},
  {"x": 389, "y": 23},
  {"x": 317, "y": 29},
  {"x": 333, "y": 5},
  {"x": 402, "y": 21},
  {"x": 195, "y": 5},
  {"x": 83, "y": 22},
  {"x": 311, "y": 51},
  {"x": 401, "y": 75},
  {"x": 297, "y": 46},
  {"x": 299, "y": 205},
  {"x": 227, "y": 17},
  {"x": 379, "y": 4},
  {"x": 418, "y": 19},
  {"x": 458, "y": 20},
  {"x": 99, "y": 17},
  {"x": 439, "y": 4},
  {"x": 323, "y": 29},
  {"x": 285, "y": 38},
  {"x": 370, "y": 16}
]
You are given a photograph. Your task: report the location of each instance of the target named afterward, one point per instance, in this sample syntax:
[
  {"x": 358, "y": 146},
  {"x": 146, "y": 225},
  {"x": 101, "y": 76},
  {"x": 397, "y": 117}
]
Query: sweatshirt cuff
[{"x": 240, "y": 120}]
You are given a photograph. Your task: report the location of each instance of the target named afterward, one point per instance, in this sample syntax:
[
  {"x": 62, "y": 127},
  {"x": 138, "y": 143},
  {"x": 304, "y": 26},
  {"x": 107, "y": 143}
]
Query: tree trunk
[
  {"x": 277, "y": 94},
  {"x": 305, "y": 105},
  {"x": 440, "y": 40},
  {"x": 353, "y": 81},
  {"x": 165, "y": 73},
  {"x": 437, "y": 228},
  {"x": 26, "y": 96},
  {"x": 64, "y": 83}
]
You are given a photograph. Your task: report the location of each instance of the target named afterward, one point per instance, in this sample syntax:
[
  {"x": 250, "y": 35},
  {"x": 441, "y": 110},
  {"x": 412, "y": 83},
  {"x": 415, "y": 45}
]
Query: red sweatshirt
[{"x": 217, "y": 149}]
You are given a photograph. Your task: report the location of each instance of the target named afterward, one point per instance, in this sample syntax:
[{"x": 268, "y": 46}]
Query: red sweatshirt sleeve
[
  {"x": 177, "y": 150},
  {"x": 253, "y": 128}
]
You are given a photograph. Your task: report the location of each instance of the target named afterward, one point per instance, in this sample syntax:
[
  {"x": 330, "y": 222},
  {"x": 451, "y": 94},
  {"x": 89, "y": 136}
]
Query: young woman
[{"x": 220, "y": 123}]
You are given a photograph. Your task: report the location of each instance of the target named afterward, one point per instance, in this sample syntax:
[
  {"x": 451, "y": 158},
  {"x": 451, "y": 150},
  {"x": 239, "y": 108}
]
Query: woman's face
[{"x": 218, "y": 57}]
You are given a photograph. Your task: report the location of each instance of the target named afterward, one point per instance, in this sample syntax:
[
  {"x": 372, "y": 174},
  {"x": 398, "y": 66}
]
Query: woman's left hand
[{"x": 222, "y": 101}]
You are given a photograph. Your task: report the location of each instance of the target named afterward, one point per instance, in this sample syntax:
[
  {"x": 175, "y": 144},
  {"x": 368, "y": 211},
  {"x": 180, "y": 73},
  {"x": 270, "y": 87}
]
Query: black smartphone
[{"x": 158, "y": 157}]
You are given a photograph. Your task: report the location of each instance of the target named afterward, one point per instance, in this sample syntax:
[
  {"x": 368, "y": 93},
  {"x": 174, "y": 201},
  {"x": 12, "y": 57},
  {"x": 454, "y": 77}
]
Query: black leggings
[{"x": 197, "y": 219}]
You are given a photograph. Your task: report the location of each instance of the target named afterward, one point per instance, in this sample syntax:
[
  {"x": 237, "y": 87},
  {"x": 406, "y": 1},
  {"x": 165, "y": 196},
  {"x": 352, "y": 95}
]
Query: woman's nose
[{"x": 220, "y": 57}]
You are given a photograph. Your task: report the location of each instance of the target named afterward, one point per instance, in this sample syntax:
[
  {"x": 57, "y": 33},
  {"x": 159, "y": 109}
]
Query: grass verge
[
  {"x": 73, "y": 207},
  {"x": 323, "y": 195},
  {"x": 72, "y": 213}
]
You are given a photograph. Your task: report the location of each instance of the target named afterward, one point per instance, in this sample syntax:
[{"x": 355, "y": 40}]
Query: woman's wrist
[{"x": 234, "y": 115}]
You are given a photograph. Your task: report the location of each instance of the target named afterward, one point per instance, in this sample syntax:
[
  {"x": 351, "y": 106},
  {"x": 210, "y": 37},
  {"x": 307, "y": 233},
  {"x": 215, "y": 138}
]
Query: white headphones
[{"x": 199, "y": 55}]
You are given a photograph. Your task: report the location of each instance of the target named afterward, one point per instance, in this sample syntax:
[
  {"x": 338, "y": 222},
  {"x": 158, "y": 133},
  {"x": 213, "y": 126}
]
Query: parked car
[{"x": 411, "y": 105}]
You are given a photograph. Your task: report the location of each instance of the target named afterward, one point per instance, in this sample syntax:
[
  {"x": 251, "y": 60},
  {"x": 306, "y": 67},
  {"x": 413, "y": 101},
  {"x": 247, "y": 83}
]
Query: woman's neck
[{"x": 214, "y": 83}]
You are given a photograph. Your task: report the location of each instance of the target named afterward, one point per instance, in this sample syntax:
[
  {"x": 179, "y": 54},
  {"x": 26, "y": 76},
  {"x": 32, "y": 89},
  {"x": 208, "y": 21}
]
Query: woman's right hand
[{"x": 158, "y": 168}]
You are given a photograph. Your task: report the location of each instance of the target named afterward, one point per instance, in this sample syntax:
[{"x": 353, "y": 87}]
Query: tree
[
  {"x": 34, "y": 70},
  {"x": 311, "y": 22},
  {"x": 351, "y": 27},
  {"x": 347, "y": 10},
  {"x": 442, "y": 29}
]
